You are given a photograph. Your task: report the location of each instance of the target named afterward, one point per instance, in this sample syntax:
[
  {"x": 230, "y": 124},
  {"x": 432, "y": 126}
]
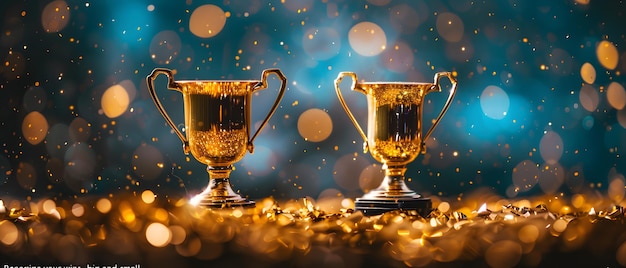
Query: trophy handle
[
  {"x": 437, "y": 87},
  {"x": 171, "y": 85},
  {"x": 263, "y": 85},
  {"x": 345, "y": 106}
]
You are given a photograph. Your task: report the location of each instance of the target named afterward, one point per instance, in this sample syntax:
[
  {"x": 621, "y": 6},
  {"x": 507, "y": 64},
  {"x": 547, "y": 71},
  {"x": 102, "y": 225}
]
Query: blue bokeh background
[{"x": 532, "y": 50}]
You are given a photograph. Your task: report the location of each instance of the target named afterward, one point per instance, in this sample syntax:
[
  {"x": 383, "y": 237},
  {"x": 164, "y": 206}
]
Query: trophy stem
[
  {"x": 393, "y": 194},
  {"x": 219, "y": 193}
]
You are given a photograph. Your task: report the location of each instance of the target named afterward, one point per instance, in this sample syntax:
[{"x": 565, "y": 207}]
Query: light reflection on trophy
[
  {"x": 217, "y": 126},
  {"x": 394, "y": 137}
]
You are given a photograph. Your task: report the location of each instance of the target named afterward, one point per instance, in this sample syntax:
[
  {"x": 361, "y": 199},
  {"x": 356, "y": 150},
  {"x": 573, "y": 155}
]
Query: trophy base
[
  {"x": 204, "y": 201},
  {"x": 220, "y": 198},
  {"x": 219, "y": 193},
  {"x": 240, "y": 204},
  {"x": 372, "y": 207}
]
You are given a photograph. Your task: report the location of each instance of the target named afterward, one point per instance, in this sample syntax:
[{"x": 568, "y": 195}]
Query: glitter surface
[{"x": 502, "y": 233}]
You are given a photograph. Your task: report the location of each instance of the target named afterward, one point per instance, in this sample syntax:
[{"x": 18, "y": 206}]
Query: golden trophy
[
  {"x": 394, "y": 137},
  {"x": 217, "y": 127}
]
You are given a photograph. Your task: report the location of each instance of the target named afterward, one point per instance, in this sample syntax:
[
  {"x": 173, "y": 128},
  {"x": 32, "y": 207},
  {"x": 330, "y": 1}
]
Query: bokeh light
[
  {"x": 367, "y": 39},
  {"x": 616, "y": 95},
  {"x": 148, "y": 196},
  {"x": 8, "y": 233},
  {"x": 207, "y": 21},
  {"x": 551, "y": 147},
  {"x": 588, "y": 73},
  {"x": 158, "y": 234},
  {"x": 494, "y": 102},
  {"x": 103, "y": 205},
  {"x": 130, "y": 88},
  {"x": 78, "y": 210},
  {"x": 607, "y": 54},
  {"x": 450, "y": 27},
  {"x": 179, "y": 234},
  {"x": 315, "y": 125},
  {"x": 115, "y": 101},
  {"x": 589, "y": 98},
  {"x": 55, "y": 16},
  {"x": 35, "y": 127},
  {"x": 528, "y": 233},
  {"x": 48, "y": 206}
]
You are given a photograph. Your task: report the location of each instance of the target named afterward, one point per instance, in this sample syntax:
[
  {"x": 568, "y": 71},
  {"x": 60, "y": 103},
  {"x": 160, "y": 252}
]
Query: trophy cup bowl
[
  {"x": 217, "y": 127},
  {"x": 394, "y": 137}
]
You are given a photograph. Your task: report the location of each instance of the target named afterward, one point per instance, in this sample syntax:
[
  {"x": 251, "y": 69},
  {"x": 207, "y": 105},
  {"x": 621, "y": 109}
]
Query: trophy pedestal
[
  {"x": 393, "y": 194},
  {"x": 208, "y": 203},
  {"x": 206, "y": 199},
  {"x": 371, "y": 207},
  {"x": 219, "y": 193}
]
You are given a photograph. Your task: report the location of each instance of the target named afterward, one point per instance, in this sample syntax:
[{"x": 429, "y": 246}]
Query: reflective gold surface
[
  {"x": 217, "y": 120},
  {"x": 394, "y": 118},
  {"x": 395, "y": 130},
  {"x": 215, "y": 147}
]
